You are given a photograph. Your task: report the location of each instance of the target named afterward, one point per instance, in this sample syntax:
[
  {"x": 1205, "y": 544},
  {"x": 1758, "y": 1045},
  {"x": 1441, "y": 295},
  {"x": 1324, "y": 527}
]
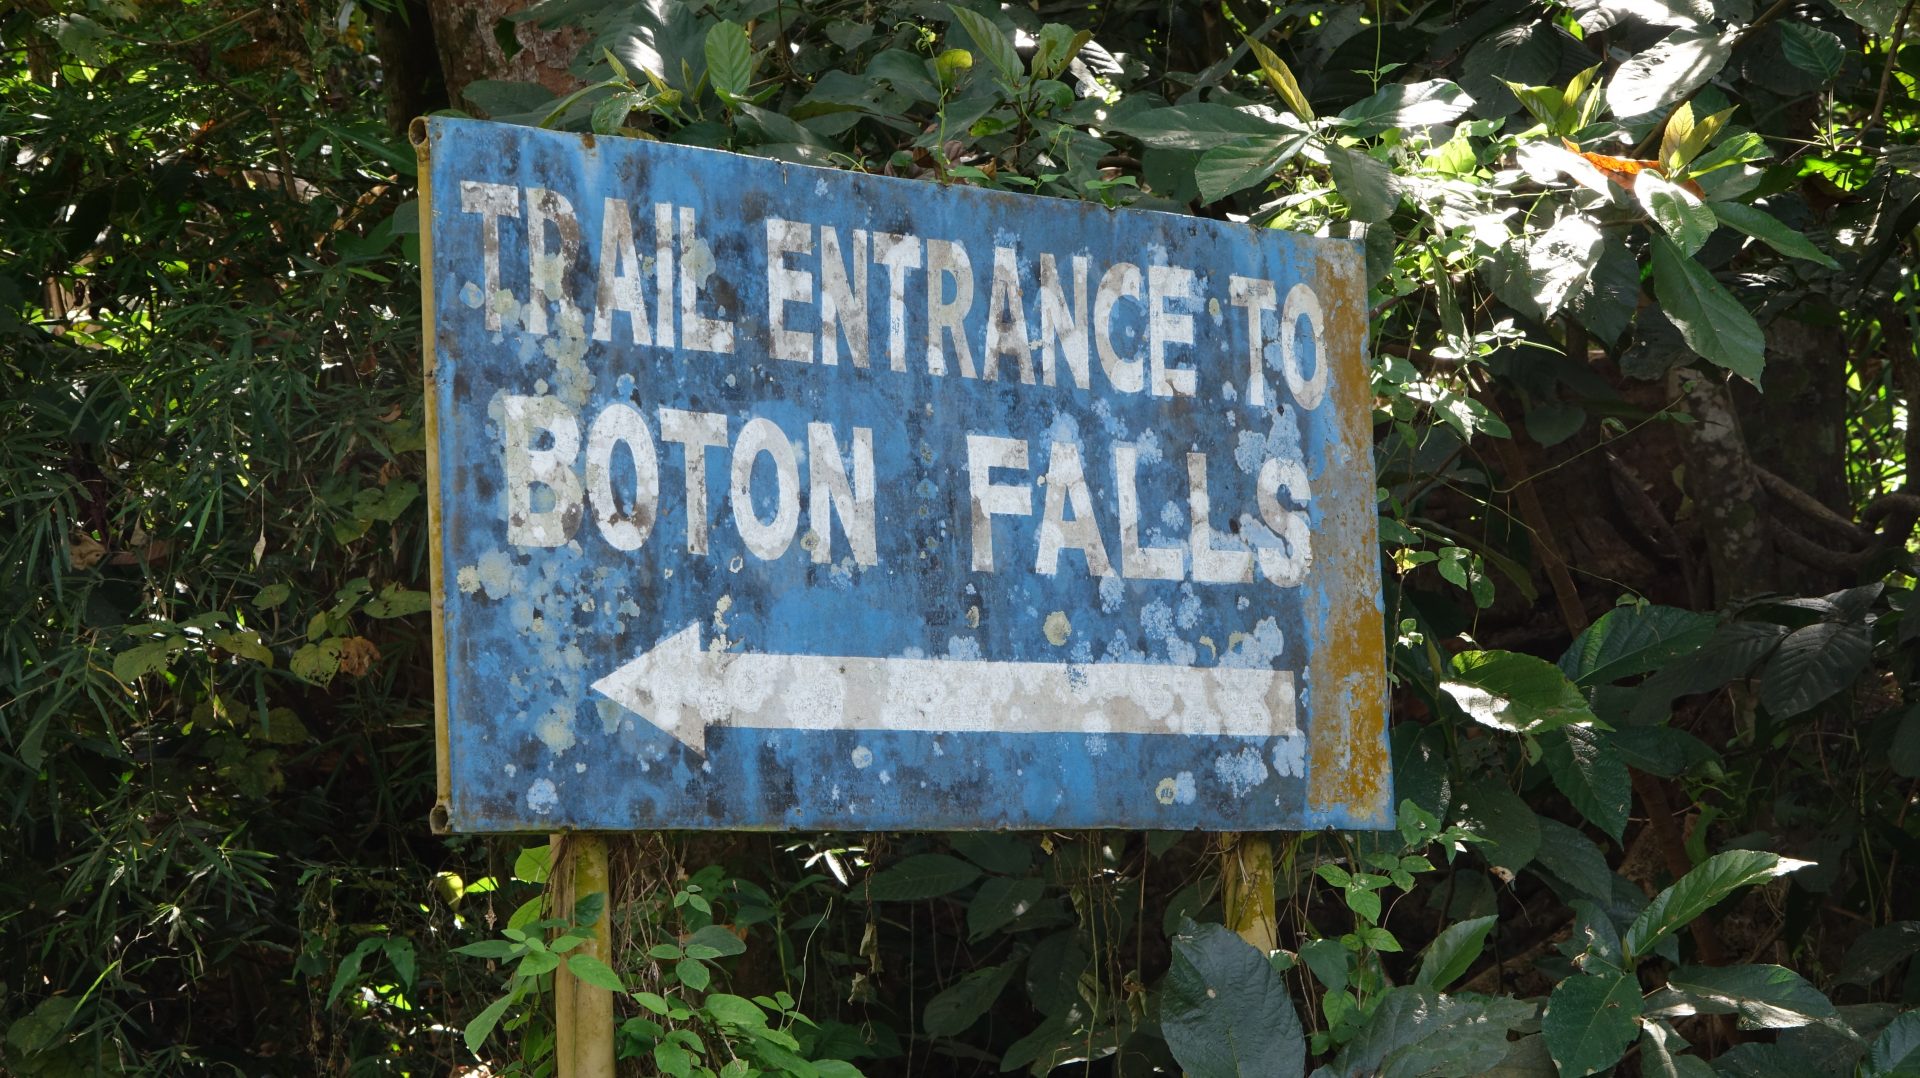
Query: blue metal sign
[{"x": 770, "y": 496}]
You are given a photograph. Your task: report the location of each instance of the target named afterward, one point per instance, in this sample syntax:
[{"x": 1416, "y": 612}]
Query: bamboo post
[
  {"x": 582, "y": 1013},
  {"x": 1247, "y": 889}
]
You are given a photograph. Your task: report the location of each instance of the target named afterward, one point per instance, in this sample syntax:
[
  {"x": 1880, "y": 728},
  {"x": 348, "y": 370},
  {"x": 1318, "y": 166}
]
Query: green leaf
[
  {"x": 1453, "y": 952},
  {"x": 316, "y": 663},
  {"x": 350, "y": 967},
  {"x": 590, "y": 970},
  {"x": 1236, "y": 166},
  {"x": 533, "y": 863},
  {"x": 1196, "y": 126},
  {"x": 1280, "y": 77},
  {"x": 961, "y": 1004},
  {"x": 1517, "y": 693},
  {"x": 1713, "y": 323},
  {"x": 1416, "y": 1031},
  {"x": 1417, "y": 104},
  {"x": 1631, "y": 640},
  {"x": 1814, "y": 663},
  {"x": 988, "y": 41},
  {"x": 395, "y": 601},
  {"x": 1593, "y": 777},
  {"x": 1508, "y": 828},
  {"x": 142, "y": 659},
  {"x": 1698, "y": 891},
  {"x": 1055, "y": 48},
  {"x": 1590, "y": 1020},
  {"x": 924, "y": 875},
  {"x": 489, "y": 949},
  {"x": 1876, "y": 15},
  {"x": 481, "y": 1027},
  {"x": 1896, "y": 1051},
  {"x": 721, "y": 942},
  {"x": 1364, "y": 182},
  {"x": 1813, "y": 50},
  {"x": 693, "y": 973},
  {"x": 1000, "y": 901},
  {"x": 734, "y": 1010},
  {"x": 272, "y": 595},
  {"x": 1667, "y": 72},
  {"x": 1328, "y": 960},
  {"x": 1878, "y": 951},
  {"x": 1678, "y": 211},
  {"x": 1767, "y": 228},
  {"x": 1225, "y": 1012},
  {"x": 729, "y": 59},
  {"x": 1574, "y": 860},
  {"x": 1765, "y": 997}
]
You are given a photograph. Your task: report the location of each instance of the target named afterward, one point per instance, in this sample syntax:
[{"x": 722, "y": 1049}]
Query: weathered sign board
[{"x": 769, "y": 496}]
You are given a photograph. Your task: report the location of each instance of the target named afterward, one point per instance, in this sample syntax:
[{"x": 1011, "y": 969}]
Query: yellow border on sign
[{"x": 418, "y": 134}]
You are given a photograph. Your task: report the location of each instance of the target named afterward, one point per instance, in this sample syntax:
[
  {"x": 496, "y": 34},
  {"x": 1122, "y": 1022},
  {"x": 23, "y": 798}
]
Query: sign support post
[
  {"x": 582, "y": 1013},
  {"x": 1247, "y": 888}
]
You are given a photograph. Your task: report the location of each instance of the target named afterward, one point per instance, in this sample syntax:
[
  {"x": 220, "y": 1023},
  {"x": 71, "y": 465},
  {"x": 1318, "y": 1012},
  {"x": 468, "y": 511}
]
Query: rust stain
[{"x": 1347, "y": 759}]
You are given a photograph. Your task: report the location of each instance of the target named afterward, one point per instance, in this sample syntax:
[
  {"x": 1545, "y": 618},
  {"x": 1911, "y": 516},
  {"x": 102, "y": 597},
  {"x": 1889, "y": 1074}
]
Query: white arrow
[{"x": 683, "y": 689}]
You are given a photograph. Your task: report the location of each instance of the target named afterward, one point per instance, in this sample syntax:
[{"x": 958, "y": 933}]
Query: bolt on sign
[{"x": 771, "y": 496}]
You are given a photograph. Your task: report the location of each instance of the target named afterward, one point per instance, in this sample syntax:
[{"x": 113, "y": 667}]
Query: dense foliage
[{"x": 1650, "y": 626}]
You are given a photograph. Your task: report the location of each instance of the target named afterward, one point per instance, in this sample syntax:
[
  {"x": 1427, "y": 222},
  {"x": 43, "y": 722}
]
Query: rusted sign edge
[{"x": 419, "y": 134}]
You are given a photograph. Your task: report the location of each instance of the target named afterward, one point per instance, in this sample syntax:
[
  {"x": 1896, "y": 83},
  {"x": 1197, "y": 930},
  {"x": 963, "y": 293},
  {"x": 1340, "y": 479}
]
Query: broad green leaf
[
  {"x": 996, "y": 851},
  {"x": 1574, "y": 860},
  {"x": 1280, "y": 77},
  {"x": 961, "y": 1004},
  {"x": 350, "y": 967},
  {"x": 1714, "y": 324},
  {"x": 481, "y": 1027},
  {"x": 1876, "y": 15},
  {"x": 1878, "y": 951},
  {"x": 592, "y": 971},
  {"x": 1418, "y": 104},
  {"x": 1416, "y": 1031},
  {"x": 242, "y": 642},
  {"x": 1238, "y": 165},
  {"x": 1896, "y": 1051},
  {"x": 1197, "y": 126},
  {"x": 1592, "y": 776},
  {"x": 1814, "y": 663},
  {"x": 924, "y": 875},
  {"x": 718, "y": 940},
  {"x": 1000, "y": 901},
  {"x": 729, "y": 59},
  {"x": 1453, "y": 952},
  {"x": 1328, "y": 960},
  {"x": 1663, "y": 1054},
  {"x": 1730, "y": 653},
  {"x": 1225, "y": 1012},
  {"x": 1517, "y": 693},
  {"x": 1814, "y": 51},
  {"x": 1699, "y": 891},
  {"x": 734, "y": 1010},
  {"x": 395, "y": 601},
  {"x": 148, "y": 658},
  {"x": 1764, "y": 996},
  {"x": 1056, "y": 47},
  {"x": 1678, "y": 211},
  {"x": 1590, "y": 1020},
  {"x": 1364, "y": 182},
  {"x": 1767, "y": 228},
  {"x": 693, "y": 973},
  {"x": 533, "y": 863},
  {"x": 489, "y": 949},
  {"x": 1508, "y": 827},
  {"x": 1628, "y": 641},
  {"x": 1668, "y": 71},
  {"x": 988, "y": 41},
  {"x": 272, "y": 595},
  {"x": 316, "y": 663}
]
